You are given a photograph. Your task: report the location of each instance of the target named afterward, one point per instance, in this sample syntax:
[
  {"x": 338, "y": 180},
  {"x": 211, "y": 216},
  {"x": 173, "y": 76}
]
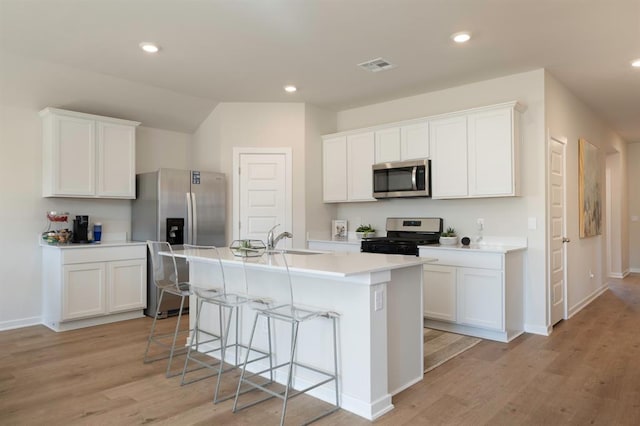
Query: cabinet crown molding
[
  {"x": 518, "y": 106},
  {"x": 57, "y": 111}
]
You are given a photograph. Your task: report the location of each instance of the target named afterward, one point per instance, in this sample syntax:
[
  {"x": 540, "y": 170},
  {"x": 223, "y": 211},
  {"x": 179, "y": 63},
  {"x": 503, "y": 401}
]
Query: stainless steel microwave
[{"x": 401, "y": 179}]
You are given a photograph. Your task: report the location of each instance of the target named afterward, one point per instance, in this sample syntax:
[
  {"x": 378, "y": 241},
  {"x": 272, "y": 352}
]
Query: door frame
[
  {"x": 239, "y": 151},
  {"x": 565, "y": 315}
]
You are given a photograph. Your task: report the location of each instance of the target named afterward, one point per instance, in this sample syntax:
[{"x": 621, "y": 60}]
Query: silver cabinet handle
[{"x": 566, "y": 240}]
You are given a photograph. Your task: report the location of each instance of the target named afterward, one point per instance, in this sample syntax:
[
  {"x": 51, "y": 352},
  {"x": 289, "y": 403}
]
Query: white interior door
[
  {"x": 557, "y": 230},
  {"x": 264, "y": 198}
]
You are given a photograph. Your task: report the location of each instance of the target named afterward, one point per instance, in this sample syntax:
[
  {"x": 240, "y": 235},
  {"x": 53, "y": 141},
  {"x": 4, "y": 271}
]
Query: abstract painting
[{"x": 589, "y": 188}]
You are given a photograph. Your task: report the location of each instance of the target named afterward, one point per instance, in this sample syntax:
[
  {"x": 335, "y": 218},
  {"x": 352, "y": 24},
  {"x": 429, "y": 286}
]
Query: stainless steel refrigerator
[{"x": 180, "y": 207}]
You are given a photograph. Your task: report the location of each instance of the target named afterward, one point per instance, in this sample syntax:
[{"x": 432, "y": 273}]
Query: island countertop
[{"x": 322, "y": 264}]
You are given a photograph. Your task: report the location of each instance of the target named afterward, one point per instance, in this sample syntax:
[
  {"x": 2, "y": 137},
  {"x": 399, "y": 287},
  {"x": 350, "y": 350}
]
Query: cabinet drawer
[
  {"x": 467, "y": 259},
  {"x": 103, "y": 254}
]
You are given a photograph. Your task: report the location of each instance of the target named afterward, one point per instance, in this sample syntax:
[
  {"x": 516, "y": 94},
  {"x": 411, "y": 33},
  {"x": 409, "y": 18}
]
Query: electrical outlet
[
  {"x": 480, "y": 222},
  {"x": 378, "y": 299}
]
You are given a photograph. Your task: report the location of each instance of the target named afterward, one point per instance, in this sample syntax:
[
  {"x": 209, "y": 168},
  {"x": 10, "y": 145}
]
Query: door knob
[{"x": 566, "y": 240}]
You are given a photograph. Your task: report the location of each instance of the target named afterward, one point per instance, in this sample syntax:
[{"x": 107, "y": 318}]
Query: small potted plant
[
  {"x": 449, "y": 237},
  {"x": 365, "y": 231}
]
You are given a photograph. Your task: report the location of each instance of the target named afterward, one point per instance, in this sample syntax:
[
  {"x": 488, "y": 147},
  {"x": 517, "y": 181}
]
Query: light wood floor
[{"x": 586, "y": 372}]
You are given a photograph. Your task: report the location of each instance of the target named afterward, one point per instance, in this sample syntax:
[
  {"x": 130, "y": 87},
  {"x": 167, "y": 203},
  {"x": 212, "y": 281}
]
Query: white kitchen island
[{"x": 378, "y": 297}]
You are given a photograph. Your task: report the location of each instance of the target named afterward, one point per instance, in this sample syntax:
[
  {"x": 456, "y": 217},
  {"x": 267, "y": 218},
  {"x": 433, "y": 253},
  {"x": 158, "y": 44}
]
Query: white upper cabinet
[
  {"x": 476, "y": 154},
  {"x": 387, "y": 145},
  {"x": 449, "y": 157},
  {"x": 87, "y": 155},
  {"x": 473, "y": 153},
  {"x": 116, "y": 155},
  {"x": 334, "y": 169},
  {"x": 360, "y": 158},
  {"x": 414, "y": 141},
  {"x": 492, "y": 153},
  {"x": 399, "y": 143},
  {"x": 346, "y": 168}
]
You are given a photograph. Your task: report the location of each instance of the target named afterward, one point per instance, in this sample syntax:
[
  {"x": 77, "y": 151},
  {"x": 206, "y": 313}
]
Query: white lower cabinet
[
  {"x": 335, "y": 246},
  {"x": 83, "y": 291},
  {"x": 125, "y": 293},
  {"x": 439, "y": 296},
  {"x": 477, "y": 293},
  {"x": 480, "y": 298},
  {"x": 93, "y": 285}
]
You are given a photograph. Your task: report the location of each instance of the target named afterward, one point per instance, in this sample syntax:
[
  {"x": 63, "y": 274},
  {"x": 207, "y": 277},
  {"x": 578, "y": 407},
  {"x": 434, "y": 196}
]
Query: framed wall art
[
  {"x": 589, "y": 190},
  {"x": 338, "y": 229}
]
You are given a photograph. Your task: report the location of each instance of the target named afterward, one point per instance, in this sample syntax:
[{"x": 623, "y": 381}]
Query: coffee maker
[{"x": 80, "y": 229}]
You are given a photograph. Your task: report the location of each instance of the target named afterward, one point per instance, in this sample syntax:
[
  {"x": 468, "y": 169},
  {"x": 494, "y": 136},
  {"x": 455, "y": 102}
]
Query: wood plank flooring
[{"x": 586, "y": 372}]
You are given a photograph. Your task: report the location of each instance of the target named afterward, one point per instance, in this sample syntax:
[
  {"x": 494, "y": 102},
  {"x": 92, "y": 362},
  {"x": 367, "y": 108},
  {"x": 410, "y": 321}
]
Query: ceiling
[{"x": 84, "y": 55}]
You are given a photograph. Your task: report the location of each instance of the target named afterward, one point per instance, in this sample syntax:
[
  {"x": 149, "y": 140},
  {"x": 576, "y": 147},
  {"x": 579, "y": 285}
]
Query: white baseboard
[
  {"x": 587, "y": 300},
  {"x": 19, "y": 323},
  {"x": 634, "y": 270},
  {"x": 538, "y": 329}
]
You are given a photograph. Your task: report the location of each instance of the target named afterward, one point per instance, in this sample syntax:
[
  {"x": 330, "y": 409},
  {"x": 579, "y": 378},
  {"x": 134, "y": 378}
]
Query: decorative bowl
[
  {"x": 58, "y": 216},
  {"x": 449, "y": 241},
  {"x": 361, "y": 235},
  {"x": 247, "y": 248}
]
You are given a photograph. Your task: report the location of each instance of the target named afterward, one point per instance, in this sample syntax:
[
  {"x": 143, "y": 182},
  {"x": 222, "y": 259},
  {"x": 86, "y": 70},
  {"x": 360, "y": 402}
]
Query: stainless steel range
[{"x": 404, "y": 235}]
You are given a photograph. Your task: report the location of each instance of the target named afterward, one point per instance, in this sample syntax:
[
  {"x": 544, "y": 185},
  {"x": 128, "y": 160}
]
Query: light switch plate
[{"x": 533, "y": 223}]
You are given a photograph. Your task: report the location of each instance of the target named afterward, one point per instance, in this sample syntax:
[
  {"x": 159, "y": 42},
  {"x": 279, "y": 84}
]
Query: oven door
[{"x": 401, "y": 179}]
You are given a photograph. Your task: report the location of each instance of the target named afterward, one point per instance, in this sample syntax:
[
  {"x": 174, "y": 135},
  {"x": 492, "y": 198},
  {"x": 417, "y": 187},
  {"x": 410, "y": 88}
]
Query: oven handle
[{"x": 414, "y": 182}]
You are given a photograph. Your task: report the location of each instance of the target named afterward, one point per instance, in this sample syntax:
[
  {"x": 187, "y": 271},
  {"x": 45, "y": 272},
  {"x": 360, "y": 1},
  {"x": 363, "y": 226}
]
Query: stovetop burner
[{"x": 404, "y": 235}]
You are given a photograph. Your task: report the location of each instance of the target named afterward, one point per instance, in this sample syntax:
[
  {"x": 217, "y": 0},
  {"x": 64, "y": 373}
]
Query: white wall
[
  {"x": 156, "y": 148},
  {"x": 633, "y": 163},
  {"x": 23, "y": 210},
  {"x": 318, "y": 214},
  {"x": 505, "y": 217},
  {"x": 569, "y": 117},
  {"x": 266, "y": 125}
]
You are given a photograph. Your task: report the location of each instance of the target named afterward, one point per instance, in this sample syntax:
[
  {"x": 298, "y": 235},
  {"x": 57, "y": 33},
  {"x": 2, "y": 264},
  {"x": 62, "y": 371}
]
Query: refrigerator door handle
[
  {"x": 189, "y": 233},
  {"x": 195, "y": 218}
]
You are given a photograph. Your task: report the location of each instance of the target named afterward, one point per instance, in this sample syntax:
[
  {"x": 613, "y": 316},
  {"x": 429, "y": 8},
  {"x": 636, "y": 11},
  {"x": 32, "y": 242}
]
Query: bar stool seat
[
  {"x": 166, "y": 279},
  {"x": 294, "y": 315},
  {"x": 226, "y": 302}
]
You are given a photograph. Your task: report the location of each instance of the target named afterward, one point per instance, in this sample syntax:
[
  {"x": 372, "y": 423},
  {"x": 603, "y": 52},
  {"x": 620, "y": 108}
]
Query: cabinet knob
[{"x": 566, "y": 240}]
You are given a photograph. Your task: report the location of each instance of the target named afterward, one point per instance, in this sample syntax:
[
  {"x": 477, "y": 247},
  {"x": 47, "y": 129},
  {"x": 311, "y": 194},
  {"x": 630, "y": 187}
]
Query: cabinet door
[
  {"x": 388, "y": 145},
  {"x": 491, "y": 153},
  {"x": 439, "y": 296},
  {"x": 334, "y": 169},
  {"x": 83, "y": 290},
  {"x": 448, "y": 138},
  {"x": 415, "y": 141},
  {"x": 73, "y": 164},
  {"x": 480, "y": 298},
  {"x": 116, "y": 146},
  {"x": 127, "y": 285},
  {"x": 360, "y": 158}
]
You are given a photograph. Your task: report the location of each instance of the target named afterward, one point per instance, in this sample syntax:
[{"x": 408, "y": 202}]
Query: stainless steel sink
[{"x": 303, "y": 252}]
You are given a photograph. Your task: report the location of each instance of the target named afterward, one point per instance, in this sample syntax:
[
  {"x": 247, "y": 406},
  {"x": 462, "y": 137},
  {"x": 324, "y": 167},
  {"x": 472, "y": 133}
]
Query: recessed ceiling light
[
  {"x": 149, "y": 47},
  {"x": 290, "y": 88},
  {"x": 635, "y": 63},
  {"x": 461, "y": 37}
]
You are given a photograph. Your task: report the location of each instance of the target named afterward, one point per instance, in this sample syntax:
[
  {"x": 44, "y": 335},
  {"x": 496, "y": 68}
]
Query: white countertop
[
  {"x": 327, "y": 264},
  {"x": 489, "y": 245},
  {"x": 71, "y": 246}
]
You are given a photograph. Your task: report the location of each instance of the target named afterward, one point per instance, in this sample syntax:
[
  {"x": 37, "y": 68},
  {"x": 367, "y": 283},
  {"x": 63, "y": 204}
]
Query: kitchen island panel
[{"x": 379, "y": 330}]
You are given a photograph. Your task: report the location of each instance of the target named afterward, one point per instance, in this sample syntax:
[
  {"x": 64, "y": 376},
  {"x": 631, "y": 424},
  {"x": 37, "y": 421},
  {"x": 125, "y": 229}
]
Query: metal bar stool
[
  {"x": 293, "y": 314},
  {"x": 225, "y": 301},
  {"x": 165, "y": 277}
]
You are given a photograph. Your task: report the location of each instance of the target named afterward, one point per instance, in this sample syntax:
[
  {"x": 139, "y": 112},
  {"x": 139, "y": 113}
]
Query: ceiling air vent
[{"x": 375, "y": 65}]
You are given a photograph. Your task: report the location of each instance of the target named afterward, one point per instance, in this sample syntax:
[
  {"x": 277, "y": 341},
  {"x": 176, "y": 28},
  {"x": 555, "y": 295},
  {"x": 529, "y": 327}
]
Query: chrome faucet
[{"x": 272, "y": 242}]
